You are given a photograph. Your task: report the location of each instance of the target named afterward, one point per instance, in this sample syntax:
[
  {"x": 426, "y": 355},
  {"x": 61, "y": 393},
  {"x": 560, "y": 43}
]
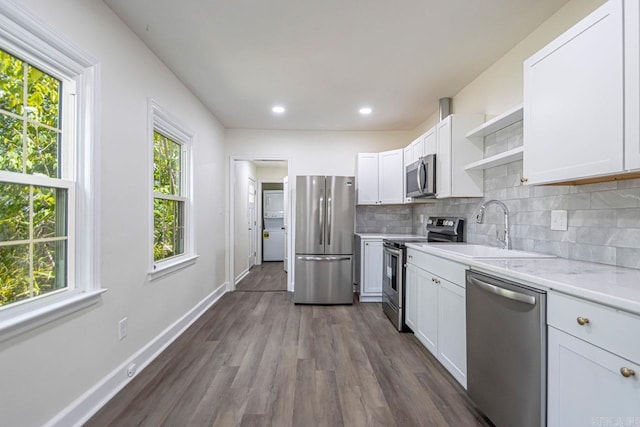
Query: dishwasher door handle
[{"x": 506, "y": 293}]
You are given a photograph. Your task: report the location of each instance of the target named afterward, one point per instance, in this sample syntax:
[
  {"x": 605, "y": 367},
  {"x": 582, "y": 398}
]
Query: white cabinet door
[
  {"x": 407, "y": 153},
  {"x": 367, "y": 178},
  {"x": 410, "y": 297},
  {"x": 443, "y": 158},
  {"x": 452, "y": 330},
  {"x": 632, "y": 84},
  {"x": 574, "y": 101},
  {"x": 372, "y": 271},
  {"x": 418, "y": 148},
  {"x": 427, "y": 321},
  {"x": 586, "y": 386},
  {"x": 430, "y": 141},
  {"x": 391, "y": 176}
]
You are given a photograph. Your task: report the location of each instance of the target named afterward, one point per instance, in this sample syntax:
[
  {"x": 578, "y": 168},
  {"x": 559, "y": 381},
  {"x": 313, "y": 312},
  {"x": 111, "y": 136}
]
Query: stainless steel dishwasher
[{"x": 506, "y": 350}]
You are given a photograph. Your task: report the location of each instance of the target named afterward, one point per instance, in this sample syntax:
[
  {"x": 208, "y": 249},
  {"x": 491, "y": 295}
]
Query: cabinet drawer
[
  {"x": 448, "y": 270},
  {"x": 608, "y": 328}
]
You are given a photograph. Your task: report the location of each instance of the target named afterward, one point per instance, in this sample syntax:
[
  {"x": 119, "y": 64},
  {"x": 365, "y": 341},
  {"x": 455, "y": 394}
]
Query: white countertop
[
  {"x": 617, "y": 287},
  {"x": 388, "y": 236}
]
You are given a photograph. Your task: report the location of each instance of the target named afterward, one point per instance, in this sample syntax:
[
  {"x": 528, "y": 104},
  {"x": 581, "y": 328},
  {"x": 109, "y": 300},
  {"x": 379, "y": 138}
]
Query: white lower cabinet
[
  {"x": 411, "y": 297},
  {"x": 593, "y": 364},
  {"x": 452, "y": 338},
  {"x": 435, "y": 310},
  {"x": 371, "y": 273},
  {"x": 586, "y": 385},
  {"x": 427, "y": 299}
]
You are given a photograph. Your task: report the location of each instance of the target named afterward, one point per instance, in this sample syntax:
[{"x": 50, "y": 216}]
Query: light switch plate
[{"x": 559, "y": 220}]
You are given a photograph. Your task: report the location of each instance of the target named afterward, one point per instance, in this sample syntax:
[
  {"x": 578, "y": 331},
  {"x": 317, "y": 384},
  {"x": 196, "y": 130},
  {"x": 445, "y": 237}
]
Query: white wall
[
  {"x": 271, "y": 174},
  {"x": 500, "y": 86},
  {"x": 312, "y": 152},
  {"x": 46, "y": 369}
]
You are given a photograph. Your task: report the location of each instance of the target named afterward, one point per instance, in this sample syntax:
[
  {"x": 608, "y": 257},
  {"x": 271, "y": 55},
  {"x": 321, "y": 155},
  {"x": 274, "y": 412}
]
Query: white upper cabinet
[
  {"x": 430, "y": 141},
  {"x": 632, "y": 84},
  {"x": 390, "y": 179},
  {"x": 379, "y": 177},
  {"x": 574, "y": 101},
  {"x": 453, "y": 152},
  {"x": 367, "y": 178}
]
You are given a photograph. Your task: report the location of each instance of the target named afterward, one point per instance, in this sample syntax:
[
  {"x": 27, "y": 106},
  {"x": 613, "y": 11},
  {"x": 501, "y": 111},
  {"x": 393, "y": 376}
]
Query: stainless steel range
[{"x": 440, "y": 229}]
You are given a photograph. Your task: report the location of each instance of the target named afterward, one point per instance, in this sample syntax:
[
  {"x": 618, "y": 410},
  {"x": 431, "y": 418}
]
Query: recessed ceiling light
[
  {"x": 278, "y": 109},
  {"x": 365, "y": 110}
]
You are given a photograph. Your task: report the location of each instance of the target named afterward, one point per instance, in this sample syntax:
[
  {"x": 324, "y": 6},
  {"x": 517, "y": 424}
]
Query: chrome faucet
[{"x": 506, "y": 242}]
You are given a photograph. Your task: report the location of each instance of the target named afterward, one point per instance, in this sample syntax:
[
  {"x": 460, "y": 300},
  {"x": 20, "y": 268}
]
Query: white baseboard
[
  {"x": 242, "y": 276},
  {"x": 370, "y": 298},
  {"x": 84, "y": 407}
]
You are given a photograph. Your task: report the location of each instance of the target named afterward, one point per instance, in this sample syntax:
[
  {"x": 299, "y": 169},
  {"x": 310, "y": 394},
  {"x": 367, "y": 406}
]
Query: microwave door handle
[
  {"x": 418, "y": 178},
  {"x": 421, "y": 166}
]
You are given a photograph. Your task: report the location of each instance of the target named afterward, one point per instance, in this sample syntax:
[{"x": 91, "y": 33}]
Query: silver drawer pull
[
  {"x": 582, "y": 321},
  {"x": 626, "y": 372}
]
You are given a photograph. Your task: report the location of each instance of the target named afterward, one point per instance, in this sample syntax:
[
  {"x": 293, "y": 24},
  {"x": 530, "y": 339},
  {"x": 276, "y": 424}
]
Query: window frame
[
  {"x": 25, "y": 37},
  {"x": 164, "y": 123}
]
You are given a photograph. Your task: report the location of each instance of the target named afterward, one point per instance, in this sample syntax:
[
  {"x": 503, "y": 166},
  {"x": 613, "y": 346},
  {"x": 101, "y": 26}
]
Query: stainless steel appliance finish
[
  {"x": 325, "y": 208},
  {"x": 420, "y": 177},
  {"x": 506, "y": 350},
  {"x": 394, "y": 264}
]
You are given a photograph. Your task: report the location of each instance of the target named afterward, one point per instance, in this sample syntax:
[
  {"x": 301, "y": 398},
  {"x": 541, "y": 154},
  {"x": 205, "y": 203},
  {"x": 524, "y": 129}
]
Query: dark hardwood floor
[
  {"x": 268, "y": 276},
  {"x": 256, "y": 359}
]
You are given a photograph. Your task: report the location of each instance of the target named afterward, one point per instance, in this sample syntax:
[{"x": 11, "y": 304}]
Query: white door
[
  {"x": 367, "y": 178},
  {"x": 285, "y": 187},
  {"x": 252, "y": 221},
  {"x": 372, "y": 280}
]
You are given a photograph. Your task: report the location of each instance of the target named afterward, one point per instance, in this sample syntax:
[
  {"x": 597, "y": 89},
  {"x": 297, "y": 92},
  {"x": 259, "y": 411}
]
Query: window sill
[
  {"x": 168, "y": 267},
  {"x": 33, "y": 314}
]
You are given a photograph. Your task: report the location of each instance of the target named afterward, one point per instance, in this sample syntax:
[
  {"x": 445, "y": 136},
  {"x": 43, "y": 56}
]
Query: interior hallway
[{"x": 268, "y": 276}]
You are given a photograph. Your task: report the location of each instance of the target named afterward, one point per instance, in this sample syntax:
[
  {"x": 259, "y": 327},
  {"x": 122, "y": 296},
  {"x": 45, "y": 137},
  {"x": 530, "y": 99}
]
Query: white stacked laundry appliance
[{"x": 273, "y": 231}]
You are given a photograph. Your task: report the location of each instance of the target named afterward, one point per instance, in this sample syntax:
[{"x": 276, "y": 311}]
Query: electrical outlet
[
  {"x": 559, "y": 220},
  {"x": 122, "y": 328},
  {"x": 131, "y": 370},
  {"x": 421, "y": 218}
]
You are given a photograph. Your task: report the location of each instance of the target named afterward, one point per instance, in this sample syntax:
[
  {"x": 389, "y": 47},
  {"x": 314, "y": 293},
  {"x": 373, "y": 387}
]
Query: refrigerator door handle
[
  {"x": 321, "y": 219},
  {"x": 323, "y": 258},
  {"x": 329, "y": 210}
]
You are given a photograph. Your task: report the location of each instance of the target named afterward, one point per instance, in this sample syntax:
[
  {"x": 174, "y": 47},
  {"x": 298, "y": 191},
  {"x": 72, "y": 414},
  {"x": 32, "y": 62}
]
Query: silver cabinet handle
[{"x": 506, "y": 293}]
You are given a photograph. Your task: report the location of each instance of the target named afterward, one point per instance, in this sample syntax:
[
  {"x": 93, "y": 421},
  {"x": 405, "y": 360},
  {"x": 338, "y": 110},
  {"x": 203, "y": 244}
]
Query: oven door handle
[
  {"x": 505, "y": 293},
  {"x": 393, "y": 251}
]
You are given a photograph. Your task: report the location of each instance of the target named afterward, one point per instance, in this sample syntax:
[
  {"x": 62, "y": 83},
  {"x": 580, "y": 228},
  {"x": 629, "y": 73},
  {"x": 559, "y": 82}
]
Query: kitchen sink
[{"x": 481, "y": 251}]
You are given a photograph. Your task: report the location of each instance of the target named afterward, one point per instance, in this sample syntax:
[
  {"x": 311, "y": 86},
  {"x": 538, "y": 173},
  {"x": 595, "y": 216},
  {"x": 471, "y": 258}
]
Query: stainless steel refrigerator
[{"x": 324, "y": 239}]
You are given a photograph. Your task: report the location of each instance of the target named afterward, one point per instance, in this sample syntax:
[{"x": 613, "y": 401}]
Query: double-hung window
[
  {"x": 173, "y": 245},
  {"x": 48, "y": 264}
]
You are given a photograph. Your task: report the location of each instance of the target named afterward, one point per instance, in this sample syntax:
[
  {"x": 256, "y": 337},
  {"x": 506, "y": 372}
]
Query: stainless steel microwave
[{"x": 421, "y": 177}]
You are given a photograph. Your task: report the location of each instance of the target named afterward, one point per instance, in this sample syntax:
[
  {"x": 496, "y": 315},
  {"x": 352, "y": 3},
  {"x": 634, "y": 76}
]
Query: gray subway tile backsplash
[{"x": 603, "y": 218}]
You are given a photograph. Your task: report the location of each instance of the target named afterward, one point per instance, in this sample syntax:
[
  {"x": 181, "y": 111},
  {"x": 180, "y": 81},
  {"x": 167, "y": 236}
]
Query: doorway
[{"x": 257, "y": 231}]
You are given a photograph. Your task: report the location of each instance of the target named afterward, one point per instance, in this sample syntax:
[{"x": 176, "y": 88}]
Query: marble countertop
[{"x": 617, "y": 287}]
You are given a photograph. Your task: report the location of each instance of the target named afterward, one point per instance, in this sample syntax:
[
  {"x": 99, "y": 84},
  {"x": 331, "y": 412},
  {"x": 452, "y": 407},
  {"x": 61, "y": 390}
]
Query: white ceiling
[{"x": 325, "y": 59}]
